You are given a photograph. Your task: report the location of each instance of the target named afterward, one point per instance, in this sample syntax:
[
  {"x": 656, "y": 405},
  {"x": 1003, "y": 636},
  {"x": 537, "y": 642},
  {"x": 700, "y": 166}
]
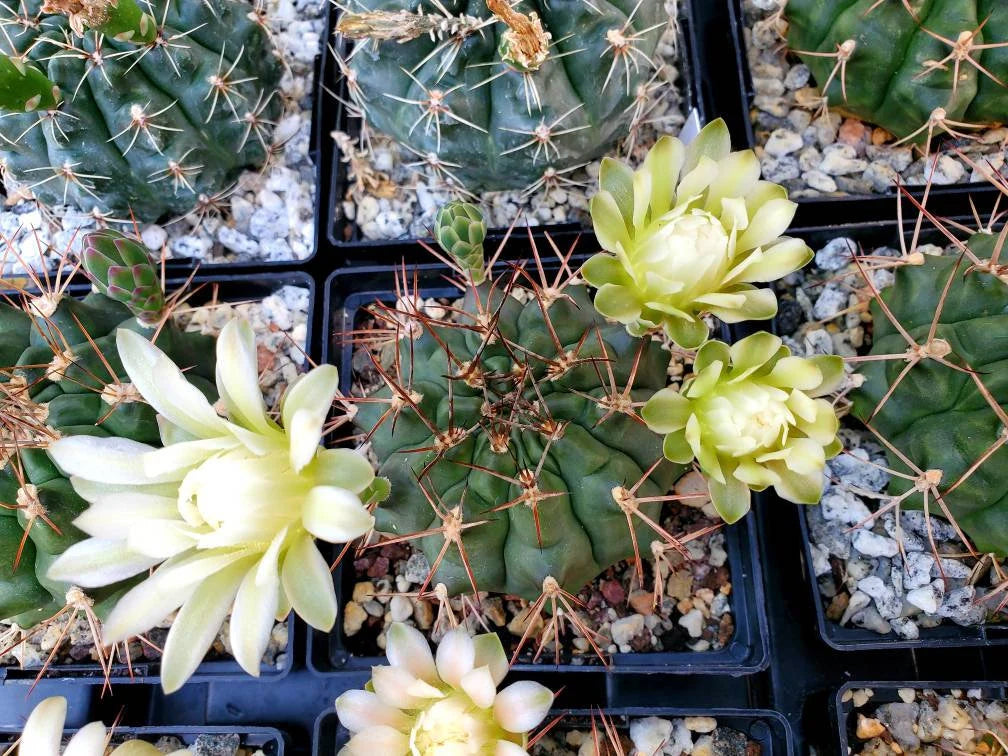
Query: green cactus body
[
  {"x": 891, "y": 77},
  {"x": 937, "y": 416},
  {"x": 511, "y": 420},
  {"x": 155, "y": 125},
  {"x": 490, "y": 140},
  {"x": 57, "y": 382}
]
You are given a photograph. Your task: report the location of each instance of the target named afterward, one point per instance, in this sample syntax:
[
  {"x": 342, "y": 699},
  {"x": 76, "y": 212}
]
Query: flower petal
[
  {"x": 767, "y": 224},
  {"x": 121, "y": 460},
  {"x": 305, "y": 409},
  {"x": 507, "y": 748},
  {"x": 87, "y": 741},
  {"x": 255, "y": 605},
  {"x": 197, "y": 624},
  {"x": 406, "y": 647},
  {"x": 479, "y": 685},
  {"x": 610, "y": 227},
  {"x": 335, "y": 515},
  {"x": 113, "y": 516},
  {"x": 617, "y": 302},
  {"x": 490, "y": 653},
  {"x": 238, "y": 377},
  {"x": 43, "y": 730},
  {"x": 360, "y": 709},
  {"x": 344, "y": 468},
  {"x": 456, "y": 655},
  {"x": 377, "y": 740},
  {"x": 309, "y": 584},
  {"x": 396, "y": 687},
  {"x": 521, "y": 706},
  {"x": 95, "y": 562},
  {"x": 784, "y": 257},
  {"x": 667, "y": 411},
  {"x": 731, "y": 499},
  {"x": 163, "y": 385}
]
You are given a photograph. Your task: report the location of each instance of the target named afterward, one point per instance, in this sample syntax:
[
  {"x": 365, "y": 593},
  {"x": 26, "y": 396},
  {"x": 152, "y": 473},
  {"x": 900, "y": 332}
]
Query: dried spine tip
[
  {"x": 526, "y": 43},
  {"x": 403, "y": 26}
]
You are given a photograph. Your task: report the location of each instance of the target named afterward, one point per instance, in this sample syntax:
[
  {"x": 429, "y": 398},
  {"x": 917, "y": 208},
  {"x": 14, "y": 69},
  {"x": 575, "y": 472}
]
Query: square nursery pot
[
  {"x": 733, "y": 98},
  {"x": 267, "y": 739},
  {"x": 843, "y": 638},
  {"x": 204, "y": 288},
  {"x": 344, "y": 234},
  {"x": 347, "y": 292},
  {"x": 846, "y": 711},
  {"x": 768, "y": 733}
]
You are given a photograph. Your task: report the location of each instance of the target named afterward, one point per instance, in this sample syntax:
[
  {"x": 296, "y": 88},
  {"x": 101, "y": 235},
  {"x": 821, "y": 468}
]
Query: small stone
[
  {"x": 613, "y": 592},
  {"x": 819, "y": 181},
  {"x": 888, "y": 603},
  {"x": 642, "y": 602},
  {"x": 925, "y": 598},
  {"x": 961, "y": 607},
  {"x": 783, "y": 142},
  {"x": 900, "y": 719},
  {"x": 868, "y": 728},
  {"x": 952, "y": 715},
  {"x": 216, "y": 745},
  {"x": 650, "y": 734},
  {"x": 693, "y": 622},
  {"x": 841, "y": 505},
  {"x": 836, "y": 254},
  {"x": 626, "y": 629},
  {"x": 729, "y": 742},
  {"x": 417, "y": 568},
  {"x": 797, "y": 77},
  {"x": 917, "y": 567},
  {"x": 872, "y": 544},
  {"x": 830, "y": 302},
  {"x": 700, "y": 724},
  {"x": 363, "y": 591},
  {"x": 951, "y": 568},
  {"x": 154, "y": 237},
  {"x": 354, "y": 618},
  {"x": 852, "y": 132},
  {"x": 905, "y": 628},
  {"x": 841, "y": 160},
  {"x": 779, "y": 170},
  {"x": 946, "y": 171},
  {"x": 882, "y": 177},
  {"x": 907, "y": 695},
  {"x": 400, "y": 609}
]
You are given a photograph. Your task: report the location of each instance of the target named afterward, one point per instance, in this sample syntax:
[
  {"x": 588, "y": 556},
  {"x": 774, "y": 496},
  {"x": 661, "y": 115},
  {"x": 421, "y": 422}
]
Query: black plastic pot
[
  {"x": 347, "y": 292},
  {"x": 229, "y": 288},
  {"x": 887, "y": 692},
  {"x": 768, "y": 729},
  {"x": 344, "y": 234},
  {"x": 266, "y": 739},
  {"x": 733, "y": 97}
]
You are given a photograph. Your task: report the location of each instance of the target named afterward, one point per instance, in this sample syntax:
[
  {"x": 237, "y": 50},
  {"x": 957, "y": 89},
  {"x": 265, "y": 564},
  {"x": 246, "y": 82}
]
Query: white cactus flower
[
  {"x": 228, "y": 510},
  {"x": 442, "y": 705},
  {"x": 43, "y": 734}
]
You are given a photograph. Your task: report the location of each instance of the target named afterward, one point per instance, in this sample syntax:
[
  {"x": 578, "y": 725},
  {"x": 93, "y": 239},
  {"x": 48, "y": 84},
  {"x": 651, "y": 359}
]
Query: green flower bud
[
  {"x": 749, "y": 415},
  {"x": 460, "y": 231},
  {"x": 690, "y": 233},
  {"x": 121, "y": 269}
]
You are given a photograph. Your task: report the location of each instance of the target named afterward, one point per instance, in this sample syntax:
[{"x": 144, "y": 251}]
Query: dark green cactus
[
  {"x": 937, "y": 416},
  {"x": 522, "y": 414},
  {"x": 63, "y": 376},
  {"x": 913, "y": 63},
  {"x": 498, "y": 102},
  {"x": 151, "y": 117}
]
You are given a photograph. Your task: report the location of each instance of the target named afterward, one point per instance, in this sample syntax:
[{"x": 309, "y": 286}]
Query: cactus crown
[
  {"x": 509, "y": 429},
  {"x": 120, "y": 268},
  {"x": 935, "y": 390},
  {"x": 918, "y": 68},
  {"x": 180, "y": 97},
  {"x": 491, "y": 96}
]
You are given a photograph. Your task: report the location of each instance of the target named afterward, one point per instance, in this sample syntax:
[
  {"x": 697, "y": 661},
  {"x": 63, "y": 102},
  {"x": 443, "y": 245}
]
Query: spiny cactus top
[
  {"x": 141, "y": 123},
  {"x": 914, "y": 67},
  {"x": 226, "y": 508},
  {"x": 946, "y": 421},
  {"x": 510, "y": 434},
  {"x": 751, "y": 416},
  {"x": 60, "y": 375},
  {"x": 689, "y": 233},
  {"x": 424, "y": 704},
  {"x": 497, "y": 96},
  {"x": 43, "y": 736}
]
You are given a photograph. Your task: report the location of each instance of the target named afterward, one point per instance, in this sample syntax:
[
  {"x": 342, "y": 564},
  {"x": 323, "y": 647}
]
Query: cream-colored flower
[
  {"x": 443, "y": 705},
  {"x": 750, "y": 416},
  {"x": 228, "y": 510},
  {"x": 689, "y": 233},
  {"x": 43, "y": 734}
]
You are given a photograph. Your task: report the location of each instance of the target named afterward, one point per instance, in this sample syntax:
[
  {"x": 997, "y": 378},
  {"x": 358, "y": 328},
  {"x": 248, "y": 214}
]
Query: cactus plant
[
  {"x": 689, "y": 233},
  {"x": 511, "y": 436},
  {"x": 914, "y": 67},
  {"x": 237, "y": 502},
  {"x": 936, "y": 390},
  {"x": 425, "y": 704},
  {"x": 497, "y": 96},
  {"x": 122, "y": 111},
  {"x": 64, "y": 377},
  {"x": 43, "y": 734}
]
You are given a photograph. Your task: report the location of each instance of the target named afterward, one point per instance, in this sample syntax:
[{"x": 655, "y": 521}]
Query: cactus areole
[
  {"x": 938, "y": 417},
  {"x": 916, "y": 68},
  {"x": 134, "y": 110},
  {"x": 500, "y": 94}
]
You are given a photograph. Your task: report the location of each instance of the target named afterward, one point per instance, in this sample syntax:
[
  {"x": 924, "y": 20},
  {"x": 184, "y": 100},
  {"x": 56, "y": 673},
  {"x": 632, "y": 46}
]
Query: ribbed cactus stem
[
  {"x": 122, "y": 20},
  {"x": 23, "y": 88}
]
